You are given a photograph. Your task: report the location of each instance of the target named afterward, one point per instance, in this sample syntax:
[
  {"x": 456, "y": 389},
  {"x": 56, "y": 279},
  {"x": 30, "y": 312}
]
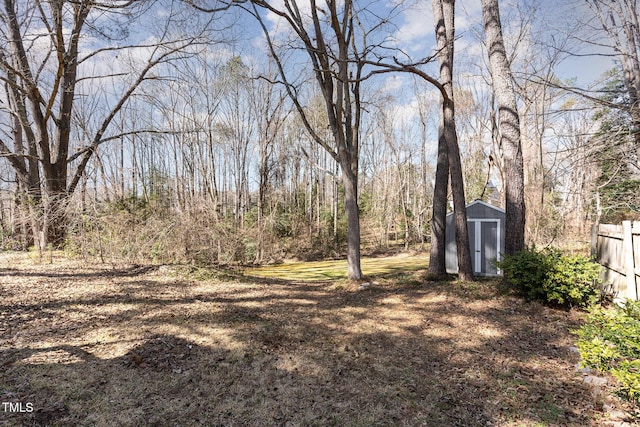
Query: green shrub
[
  {"x": 628, "y": 374},
  {"x": 552, "y": 277},
  {"x": 609, "y": 341}
]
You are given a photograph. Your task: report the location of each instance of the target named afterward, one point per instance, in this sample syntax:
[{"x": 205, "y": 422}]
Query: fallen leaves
[{"x": 96, "y": 345}]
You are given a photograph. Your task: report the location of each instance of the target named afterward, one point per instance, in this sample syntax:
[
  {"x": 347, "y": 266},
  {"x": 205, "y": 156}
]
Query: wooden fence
[{"x": 617, "y": 249}]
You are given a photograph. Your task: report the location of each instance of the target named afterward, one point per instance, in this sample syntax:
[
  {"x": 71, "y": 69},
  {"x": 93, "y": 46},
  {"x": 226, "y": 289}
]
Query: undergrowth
[{"x": 609, "y": 341}]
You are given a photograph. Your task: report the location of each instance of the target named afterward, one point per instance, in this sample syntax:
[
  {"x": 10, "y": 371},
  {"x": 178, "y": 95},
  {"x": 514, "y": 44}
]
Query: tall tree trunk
[
  {"x": 465, "y": 268},
  {"x": 54, "y": 223},
  {"x": 437, "y": 252},
  {"x": 25, "y": 163},
  {"x": 509, "y": 127},
  {"x": 350, "y": 182},
  {"x": 54, "y": 226},
  {"x": 443, "y": 13},
  {"x": 263, "y": 177}
]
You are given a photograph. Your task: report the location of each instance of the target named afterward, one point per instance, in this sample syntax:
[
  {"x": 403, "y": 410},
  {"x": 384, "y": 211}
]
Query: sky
[{"x": 414, "y": 33}]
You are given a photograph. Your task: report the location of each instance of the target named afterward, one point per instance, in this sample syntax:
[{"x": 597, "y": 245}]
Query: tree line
[{"x": 133, "y": 112}]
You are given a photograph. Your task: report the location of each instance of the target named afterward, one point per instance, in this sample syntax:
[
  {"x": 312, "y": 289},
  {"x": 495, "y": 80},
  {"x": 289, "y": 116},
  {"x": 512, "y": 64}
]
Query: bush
[
  {"x": 552, "y": 277},
  {"x": 609, "y": 341}
]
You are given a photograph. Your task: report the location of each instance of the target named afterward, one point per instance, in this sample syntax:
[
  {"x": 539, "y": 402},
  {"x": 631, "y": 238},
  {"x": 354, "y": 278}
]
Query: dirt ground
[{"x": 102, "y": 345}]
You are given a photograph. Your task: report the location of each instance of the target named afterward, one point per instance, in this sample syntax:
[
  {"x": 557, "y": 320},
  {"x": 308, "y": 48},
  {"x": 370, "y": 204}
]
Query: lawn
[
  {"x": 337, "y": 269},
  {"x": 102, "y": 345}
]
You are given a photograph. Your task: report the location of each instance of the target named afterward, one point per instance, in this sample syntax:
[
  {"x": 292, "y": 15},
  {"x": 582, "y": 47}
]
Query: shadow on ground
[{"x": 143, "y": 349}]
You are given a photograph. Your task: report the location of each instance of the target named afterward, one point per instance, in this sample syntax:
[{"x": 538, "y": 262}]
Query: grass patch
[{"x": 317, "y": 271}]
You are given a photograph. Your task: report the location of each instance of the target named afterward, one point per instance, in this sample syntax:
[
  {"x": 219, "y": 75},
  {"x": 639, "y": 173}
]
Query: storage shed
[{"x": 486, "y": 238}]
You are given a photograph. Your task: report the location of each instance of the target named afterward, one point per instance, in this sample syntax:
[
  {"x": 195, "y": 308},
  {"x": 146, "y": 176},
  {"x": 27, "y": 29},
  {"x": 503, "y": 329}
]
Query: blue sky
[{"x": 414, "y": 30}]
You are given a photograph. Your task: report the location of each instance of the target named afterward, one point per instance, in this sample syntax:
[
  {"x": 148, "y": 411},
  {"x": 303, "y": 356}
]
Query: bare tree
[
  {"x": 439, "y": 210},
  {"x": 269, "y": 103},
  {"x": 443, "y": 15},
  {"x": 236, "y": 128},
  {"x": 342, "y": 56},
  {"x": 620, "y": 22},
  {"x": 508, "y": 127},
  {"x": 44, "y": 78},
  {"x": 328, "y": 35}
]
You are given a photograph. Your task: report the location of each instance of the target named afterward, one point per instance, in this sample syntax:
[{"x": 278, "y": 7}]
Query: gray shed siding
[{"x": 486, "y": 238}]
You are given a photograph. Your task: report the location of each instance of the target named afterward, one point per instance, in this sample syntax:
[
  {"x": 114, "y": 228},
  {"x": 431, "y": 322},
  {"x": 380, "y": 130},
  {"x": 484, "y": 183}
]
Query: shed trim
[{"x": 480, "y": 202}]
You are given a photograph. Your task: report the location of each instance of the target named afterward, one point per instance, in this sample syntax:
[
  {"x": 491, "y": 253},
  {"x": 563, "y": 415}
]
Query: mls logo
[{"x": 17, "y": 407}]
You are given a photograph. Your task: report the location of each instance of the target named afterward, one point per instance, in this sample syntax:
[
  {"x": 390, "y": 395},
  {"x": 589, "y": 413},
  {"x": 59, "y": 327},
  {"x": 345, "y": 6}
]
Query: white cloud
[
  {"x": 417, "y": 30},
  {"x": 410, "y": 111},
  {"x": 407, "y": 112},
  {"x": 392, "y": 84},
  {"x": 279, "y": 24},
  {"x": 468, "y": 15}
]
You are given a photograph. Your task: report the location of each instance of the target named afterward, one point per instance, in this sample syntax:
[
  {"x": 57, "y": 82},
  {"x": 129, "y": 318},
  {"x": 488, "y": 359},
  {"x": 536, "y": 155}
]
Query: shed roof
[{"x": 480, "y": 202}]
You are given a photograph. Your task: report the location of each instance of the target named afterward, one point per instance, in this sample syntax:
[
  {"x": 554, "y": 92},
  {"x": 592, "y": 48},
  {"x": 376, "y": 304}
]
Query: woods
[
  {"x": 182, "y": 131},
  {"x": 41, "y": 91}
]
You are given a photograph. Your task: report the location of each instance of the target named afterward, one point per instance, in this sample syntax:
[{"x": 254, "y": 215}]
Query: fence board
[
  {"x": 610, "y": 229},
  {"x": 617, "y": 248}
]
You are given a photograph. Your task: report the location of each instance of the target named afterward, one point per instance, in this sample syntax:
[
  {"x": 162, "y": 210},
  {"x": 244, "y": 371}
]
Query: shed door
[
  {"x": 483, "y": 243},
  {"x": 489, "y": 247}
]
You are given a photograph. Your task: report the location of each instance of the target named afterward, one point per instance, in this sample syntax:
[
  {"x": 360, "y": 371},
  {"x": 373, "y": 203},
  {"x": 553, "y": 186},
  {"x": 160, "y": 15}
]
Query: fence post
[
  {"x": 629, "y": 267},
  {"x": 594, "y": 241}
]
